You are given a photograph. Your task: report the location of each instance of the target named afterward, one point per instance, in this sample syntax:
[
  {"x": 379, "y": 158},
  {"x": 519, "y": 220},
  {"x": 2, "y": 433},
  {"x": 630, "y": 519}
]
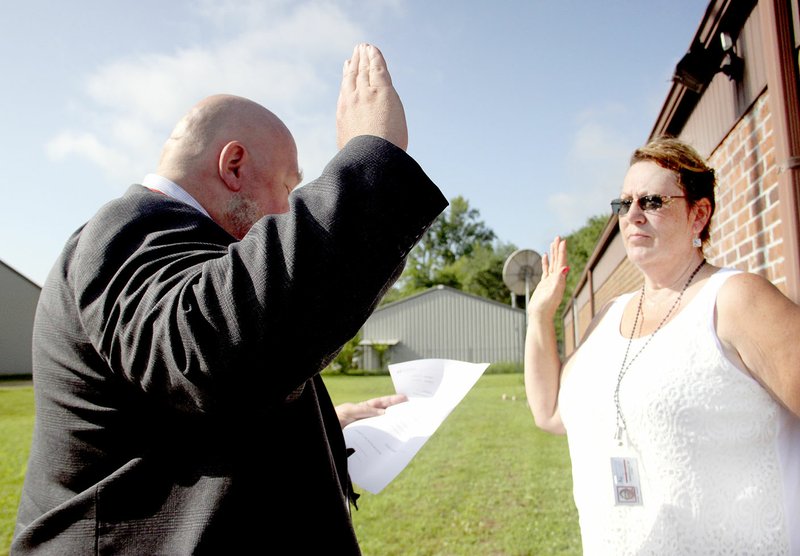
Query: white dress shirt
[{"x": 172, "y": 189}]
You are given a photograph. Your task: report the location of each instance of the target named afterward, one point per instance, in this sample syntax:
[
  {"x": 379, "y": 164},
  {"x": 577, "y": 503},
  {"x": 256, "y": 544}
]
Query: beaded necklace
[{"x": 621, "y": 424}]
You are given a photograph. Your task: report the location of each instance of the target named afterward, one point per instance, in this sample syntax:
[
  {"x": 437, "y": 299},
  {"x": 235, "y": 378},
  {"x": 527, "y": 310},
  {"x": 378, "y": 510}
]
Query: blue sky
[{"x": 528, "y": 109}]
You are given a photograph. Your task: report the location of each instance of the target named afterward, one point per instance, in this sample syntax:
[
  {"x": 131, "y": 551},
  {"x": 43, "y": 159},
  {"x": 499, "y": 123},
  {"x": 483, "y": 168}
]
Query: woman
[{"x": 681, "y": 405}]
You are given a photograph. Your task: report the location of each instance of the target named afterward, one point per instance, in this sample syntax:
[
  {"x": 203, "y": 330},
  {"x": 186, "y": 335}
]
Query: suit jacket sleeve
[{"x": 175, "y": 306}]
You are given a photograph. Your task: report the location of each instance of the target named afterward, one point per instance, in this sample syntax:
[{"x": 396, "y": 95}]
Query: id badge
[{"x": 626, "y": 480}]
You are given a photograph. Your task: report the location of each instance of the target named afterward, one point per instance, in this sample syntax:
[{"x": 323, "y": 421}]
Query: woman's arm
[
  {"x": 762, "y": 326},
  {"x": 542, "y": 362}
]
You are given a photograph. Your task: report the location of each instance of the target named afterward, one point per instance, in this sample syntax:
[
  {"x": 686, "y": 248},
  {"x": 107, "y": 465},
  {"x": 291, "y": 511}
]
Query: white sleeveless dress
[{"x": 719, "y": 459}]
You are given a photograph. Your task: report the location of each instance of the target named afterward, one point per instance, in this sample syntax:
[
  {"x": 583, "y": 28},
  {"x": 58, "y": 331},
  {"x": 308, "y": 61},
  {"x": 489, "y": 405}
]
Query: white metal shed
[
  {"x": 443, "y": 322},
  {"x": 18, "y": 299}
]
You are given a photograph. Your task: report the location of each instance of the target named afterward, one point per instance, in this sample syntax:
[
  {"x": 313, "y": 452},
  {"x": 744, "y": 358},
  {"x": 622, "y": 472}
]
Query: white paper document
[{"x": 384, "y": 445}]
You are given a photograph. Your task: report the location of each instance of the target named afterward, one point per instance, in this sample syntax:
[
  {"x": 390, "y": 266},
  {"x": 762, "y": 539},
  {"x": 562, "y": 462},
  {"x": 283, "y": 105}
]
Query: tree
[
  {"x": 481, "y": 273},
  {"x": 456, "y": 233},
  {"x": 347, "y": 357},
  {"x": 580, "y": 246}
]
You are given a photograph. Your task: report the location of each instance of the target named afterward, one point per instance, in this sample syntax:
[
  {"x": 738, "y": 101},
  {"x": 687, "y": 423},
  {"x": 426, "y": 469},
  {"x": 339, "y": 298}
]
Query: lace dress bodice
[{"x": 719, "y": 459}]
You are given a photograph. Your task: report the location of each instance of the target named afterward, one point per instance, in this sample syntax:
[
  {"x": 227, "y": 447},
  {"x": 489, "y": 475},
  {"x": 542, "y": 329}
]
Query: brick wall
[{"x": 746, "y": 231}]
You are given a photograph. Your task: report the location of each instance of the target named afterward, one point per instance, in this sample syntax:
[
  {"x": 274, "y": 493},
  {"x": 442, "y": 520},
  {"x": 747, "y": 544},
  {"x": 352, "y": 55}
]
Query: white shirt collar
[{"x": 172, "y": 189}]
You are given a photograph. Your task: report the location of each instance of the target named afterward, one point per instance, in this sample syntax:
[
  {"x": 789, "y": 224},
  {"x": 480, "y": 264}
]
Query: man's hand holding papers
[{"x": 385, "y": 444}]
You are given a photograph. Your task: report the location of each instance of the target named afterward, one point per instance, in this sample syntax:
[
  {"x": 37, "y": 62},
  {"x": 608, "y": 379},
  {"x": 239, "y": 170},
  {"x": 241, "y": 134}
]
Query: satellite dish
[{"x": 522, "y": 271}]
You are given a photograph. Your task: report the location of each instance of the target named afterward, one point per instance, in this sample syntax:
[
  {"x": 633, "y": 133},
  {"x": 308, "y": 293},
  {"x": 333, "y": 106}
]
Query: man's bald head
[
  {"x": 235, "y": 157},
  {"x": 210, "y": 124}
]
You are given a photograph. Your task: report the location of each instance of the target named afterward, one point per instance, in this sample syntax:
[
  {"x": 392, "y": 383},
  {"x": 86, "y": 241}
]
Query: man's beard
[{"x": 240, "y": 215}]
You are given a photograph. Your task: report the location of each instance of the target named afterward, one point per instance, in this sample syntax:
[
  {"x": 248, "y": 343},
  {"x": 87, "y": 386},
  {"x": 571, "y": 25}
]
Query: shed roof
[
  {"x": 442, "y": 288},
  {"x": 18, "y": 273}
]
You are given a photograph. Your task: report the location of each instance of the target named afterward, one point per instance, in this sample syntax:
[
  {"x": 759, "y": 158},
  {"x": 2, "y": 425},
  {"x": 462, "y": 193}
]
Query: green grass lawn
[
  {"x": 16, "y": 426},
  {"x": 488, "y": 481}
]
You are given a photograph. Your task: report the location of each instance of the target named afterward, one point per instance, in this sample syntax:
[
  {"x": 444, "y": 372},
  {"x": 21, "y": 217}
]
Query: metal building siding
[
  {"x": 18, "y": 299},
  {"x": 724, "y": 102},
  {"x": 446, "y": 323}
]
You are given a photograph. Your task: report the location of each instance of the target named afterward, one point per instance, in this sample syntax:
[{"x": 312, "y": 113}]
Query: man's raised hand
[{"x": 368, "y": 102}]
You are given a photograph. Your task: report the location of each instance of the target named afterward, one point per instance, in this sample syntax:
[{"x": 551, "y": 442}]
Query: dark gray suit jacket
[{"x": 178, "y": 404}]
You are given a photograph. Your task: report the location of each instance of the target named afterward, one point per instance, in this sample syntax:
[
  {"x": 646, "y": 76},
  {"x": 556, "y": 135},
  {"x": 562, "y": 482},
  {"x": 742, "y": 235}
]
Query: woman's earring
[{"x": 696, "y": 242}]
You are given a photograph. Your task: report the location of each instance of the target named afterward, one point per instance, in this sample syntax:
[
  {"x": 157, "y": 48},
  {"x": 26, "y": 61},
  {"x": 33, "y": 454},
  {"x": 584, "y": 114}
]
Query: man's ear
[{"x": 231, "y": 160}]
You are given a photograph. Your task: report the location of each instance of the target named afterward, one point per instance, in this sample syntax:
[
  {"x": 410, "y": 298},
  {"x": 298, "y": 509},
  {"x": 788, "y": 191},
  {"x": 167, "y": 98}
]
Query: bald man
[{"x": 179, "y": 337}]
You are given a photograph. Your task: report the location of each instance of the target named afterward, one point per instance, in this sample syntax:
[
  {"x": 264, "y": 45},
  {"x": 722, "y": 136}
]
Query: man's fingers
[
  {"x": 378, "y": 72},
  {"x": 386, "y": 401},
  {"x": 368, "y": 103},
  {"x": 348, "y": 77},
  {"x": 366, "y": 68},
  {"x": 361, "y": 65},
  {"x": 350, "y": 71}
]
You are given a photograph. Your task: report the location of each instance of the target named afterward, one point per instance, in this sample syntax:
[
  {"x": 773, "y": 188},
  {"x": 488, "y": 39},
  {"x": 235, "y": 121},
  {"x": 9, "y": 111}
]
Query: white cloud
[
  {"x": 87, "y": 146},
  {"x": 596, "y": 164},
  {"x": 285, "y": 55}
]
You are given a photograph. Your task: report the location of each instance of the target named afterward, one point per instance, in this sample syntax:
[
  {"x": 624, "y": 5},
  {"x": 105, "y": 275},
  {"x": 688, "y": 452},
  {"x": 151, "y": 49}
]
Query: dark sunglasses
[{"x": 648, "y": 203}]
